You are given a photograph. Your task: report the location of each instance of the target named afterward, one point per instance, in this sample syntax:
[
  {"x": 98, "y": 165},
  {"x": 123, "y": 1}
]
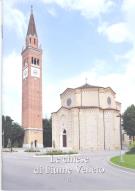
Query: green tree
[
  {"x": 6, "y": 128},
  {"x": 17, "y": 135},
  {"x": 11, "y": 132},
  {"x": 47, "y": 132},
  {"x": 129, "y": 121}
]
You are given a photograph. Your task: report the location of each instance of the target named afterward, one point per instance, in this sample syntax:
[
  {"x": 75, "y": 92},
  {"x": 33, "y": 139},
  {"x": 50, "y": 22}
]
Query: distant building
[
  {"x": 32, "y": 88},
  {"x": 87, "y": 119}
]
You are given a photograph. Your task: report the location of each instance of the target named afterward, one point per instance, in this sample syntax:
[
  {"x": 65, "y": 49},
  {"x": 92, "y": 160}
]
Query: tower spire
[{"x": 31, "y": 27}]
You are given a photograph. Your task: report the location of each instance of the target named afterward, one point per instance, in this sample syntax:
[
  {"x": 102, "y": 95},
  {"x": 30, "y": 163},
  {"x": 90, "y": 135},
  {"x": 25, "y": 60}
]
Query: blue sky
[{"x": 79, "y": 38}]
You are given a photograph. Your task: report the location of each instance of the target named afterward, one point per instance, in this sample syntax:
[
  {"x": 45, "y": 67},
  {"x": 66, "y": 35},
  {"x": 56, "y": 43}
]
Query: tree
[
  {"x": 17, "y": 135},
  {"x": 11, "y": 132},
  {"x": 129, "y": 121},
  {"x": 6, "y": 127},
  {"x": 47, "y": 132}
]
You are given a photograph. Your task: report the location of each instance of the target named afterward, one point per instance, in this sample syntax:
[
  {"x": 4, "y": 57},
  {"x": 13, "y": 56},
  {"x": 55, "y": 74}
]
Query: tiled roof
[{"x": 88, "y": 86}]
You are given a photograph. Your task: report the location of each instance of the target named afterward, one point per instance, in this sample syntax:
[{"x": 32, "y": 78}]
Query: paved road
[{"x": 22, "y": 171}]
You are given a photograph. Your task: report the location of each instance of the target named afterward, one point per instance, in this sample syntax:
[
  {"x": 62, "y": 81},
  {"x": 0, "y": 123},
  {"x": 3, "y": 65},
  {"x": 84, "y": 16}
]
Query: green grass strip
[{"x": 128, "y": 161}]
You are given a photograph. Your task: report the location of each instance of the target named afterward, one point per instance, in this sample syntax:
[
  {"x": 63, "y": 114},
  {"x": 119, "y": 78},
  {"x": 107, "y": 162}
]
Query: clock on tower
[{"x": 32, "y": 88}]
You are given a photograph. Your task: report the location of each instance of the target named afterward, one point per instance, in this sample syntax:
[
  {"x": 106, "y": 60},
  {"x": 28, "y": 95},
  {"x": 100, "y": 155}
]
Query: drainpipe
[
  {"x": 98, "y": 117},
  {"x": 79, "y": 127},
  {"x": 79, "y": 121},
  {"x": 104, "y": 130},
  {"x": 81, "y": 97},
  {"x": 98, "y": 99}
]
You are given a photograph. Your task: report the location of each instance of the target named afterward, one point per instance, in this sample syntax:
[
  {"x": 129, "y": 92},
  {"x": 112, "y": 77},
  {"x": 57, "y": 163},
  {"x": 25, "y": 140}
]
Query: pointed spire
[{"x": 32, "y": 26}]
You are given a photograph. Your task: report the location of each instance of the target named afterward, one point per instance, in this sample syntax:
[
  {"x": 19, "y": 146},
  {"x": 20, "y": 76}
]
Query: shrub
[
  {"x": 58, "y": 152},
  {"x": 9, "y": 151},
  {"x": 131, "y": 151},
  {"x": 32, "y": 150},
  {"x": 132, "y": 144},
  {"x": 55, "y": 152}
]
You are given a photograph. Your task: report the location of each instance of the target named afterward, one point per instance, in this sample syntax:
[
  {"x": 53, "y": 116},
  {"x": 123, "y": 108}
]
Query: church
[{"x": 87, "y": 120}]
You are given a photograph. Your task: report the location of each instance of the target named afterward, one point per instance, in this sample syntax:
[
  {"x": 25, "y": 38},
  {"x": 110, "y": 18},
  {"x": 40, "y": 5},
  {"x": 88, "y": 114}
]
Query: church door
[
  {"x": 64, "y": 139},
  {"x": 35, "y": 142}
]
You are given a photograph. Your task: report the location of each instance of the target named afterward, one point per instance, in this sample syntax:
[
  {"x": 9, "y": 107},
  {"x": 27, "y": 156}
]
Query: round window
[{"x": 69, "y": 101}]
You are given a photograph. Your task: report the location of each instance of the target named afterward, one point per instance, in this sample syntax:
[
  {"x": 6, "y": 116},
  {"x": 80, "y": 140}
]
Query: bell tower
[{"x": 32, "y": 88}]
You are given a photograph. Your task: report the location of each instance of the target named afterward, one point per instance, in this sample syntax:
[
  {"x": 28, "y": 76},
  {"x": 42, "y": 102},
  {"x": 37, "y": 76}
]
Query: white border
[{"x": 1, "y": 63}]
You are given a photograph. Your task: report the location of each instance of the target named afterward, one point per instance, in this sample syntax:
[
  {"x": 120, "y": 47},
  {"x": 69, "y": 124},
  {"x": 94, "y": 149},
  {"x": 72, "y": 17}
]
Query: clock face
[
  {"x": 69, "y": 101},
  {"x": 109, "y": 101},
  {"x": 35, "y": 72},
  {"x": 25, "y": 73}
]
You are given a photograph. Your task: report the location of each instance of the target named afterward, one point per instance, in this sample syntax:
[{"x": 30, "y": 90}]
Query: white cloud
[
  {"x": 52, "y": 12},
  {"x": 11, "y": 90},
  {"x": 121, "y": 31},
  {"x": 116, "y": 33},
  {"x": 12, "y": 71},
  {"x": 128, "y": 8},
  {"x": 87, "y": 8},
  {"x": 14, "y": 18}
]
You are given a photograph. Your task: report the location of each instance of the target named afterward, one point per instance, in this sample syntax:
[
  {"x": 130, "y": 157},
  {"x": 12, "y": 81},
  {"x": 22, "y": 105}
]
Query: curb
[
  {"x": 47, "y": 156},
  {"x": 121, "y": 167}
]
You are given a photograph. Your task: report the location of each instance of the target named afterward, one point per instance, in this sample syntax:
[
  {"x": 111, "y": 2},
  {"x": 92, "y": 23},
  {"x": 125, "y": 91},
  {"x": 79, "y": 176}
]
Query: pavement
[{"x": 86, "y": 171}]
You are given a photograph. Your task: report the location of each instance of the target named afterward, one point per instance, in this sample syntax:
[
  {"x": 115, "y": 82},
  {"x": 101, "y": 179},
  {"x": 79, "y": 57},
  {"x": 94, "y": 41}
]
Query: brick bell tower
[{"x": 32, "y": 88}]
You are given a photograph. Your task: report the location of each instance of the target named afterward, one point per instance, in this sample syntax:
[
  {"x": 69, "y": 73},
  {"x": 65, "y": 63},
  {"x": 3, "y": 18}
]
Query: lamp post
[
  {"x": 121, "y": 156},
  {"x": 3, "y": 138}
]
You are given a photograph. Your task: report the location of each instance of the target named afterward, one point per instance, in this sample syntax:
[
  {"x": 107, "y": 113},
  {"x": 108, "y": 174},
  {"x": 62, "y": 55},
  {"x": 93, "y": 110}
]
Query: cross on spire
[
  {"x": 31, "y": 9},
  {"x": 86, "y": 80}
]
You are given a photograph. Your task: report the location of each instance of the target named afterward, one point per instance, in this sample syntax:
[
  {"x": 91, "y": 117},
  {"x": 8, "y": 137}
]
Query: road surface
[{"x": 87, "y": 171}]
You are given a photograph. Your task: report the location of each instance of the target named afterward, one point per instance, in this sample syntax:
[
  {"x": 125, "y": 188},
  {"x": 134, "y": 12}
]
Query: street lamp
[
  {"x": 3, "y": 138},
  {"x": 121, "y": 156}
]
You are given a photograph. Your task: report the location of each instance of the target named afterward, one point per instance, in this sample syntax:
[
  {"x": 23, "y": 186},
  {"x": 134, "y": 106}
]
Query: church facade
[{"x": 87, "y": 120}]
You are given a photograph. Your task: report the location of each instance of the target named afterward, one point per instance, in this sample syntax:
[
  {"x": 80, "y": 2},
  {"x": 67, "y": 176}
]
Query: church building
[
  {"x": 32, "y": 88},
  {"x": 87, "y": 120}
]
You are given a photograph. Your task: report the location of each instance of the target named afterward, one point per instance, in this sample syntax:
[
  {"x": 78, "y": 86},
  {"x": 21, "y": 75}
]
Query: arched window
[
  {"x": 32, "y": 60},
  {"x": 30, "y": 40},
  {"x": 38, "y": 62},
  {"x": 35, "y": 61},
  {"x": 34, "y": 41},
  {"x": 64, "y": 136},
  {"x": 64, "y": 132}
]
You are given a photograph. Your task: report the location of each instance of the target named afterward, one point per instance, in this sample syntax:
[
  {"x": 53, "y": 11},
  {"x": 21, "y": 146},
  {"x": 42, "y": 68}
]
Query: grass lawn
[{"x": 129, "y": 161}]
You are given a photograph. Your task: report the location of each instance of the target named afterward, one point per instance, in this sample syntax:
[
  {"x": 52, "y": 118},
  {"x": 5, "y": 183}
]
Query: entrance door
[
  {"x": 35, "y": 143},
  {"x": 64, "y": 138}
]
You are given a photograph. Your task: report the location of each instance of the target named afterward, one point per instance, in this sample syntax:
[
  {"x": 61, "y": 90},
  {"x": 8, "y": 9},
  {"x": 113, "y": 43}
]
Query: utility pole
[{"x": 121, "y": 156}]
